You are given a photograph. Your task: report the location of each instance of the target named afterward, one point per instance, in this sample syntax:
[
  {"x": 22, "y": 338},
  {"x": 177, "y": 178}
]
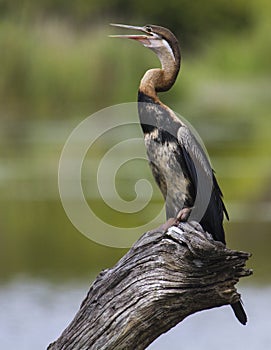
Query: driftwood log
[{"x": 166, "y": 276}]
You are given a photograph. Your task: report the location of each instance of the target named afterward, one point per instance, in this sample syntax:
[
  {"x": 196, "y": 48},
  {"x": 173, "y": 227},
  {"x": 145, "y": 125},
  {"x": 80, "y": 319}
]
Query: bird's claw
[
  {"x": 182, "y": 216},
  {"x": 169, "y": 223}
]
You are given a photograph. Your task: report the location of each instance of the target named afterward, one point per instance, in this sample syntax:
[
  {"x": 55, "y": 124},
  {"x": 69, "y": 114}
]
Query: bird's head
[{"x": 159, "y": 39}]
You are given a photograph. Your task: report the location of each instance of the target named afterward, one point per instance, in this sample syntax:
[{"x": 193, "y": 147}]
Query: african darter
[{"x": 178, "y": 162}]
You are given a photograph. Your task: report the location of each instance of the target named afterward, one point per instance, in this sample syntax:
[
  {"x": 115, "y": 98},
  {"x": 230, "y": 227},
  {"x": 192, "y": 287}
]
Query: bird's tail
[{"x": 239, "y": 312}]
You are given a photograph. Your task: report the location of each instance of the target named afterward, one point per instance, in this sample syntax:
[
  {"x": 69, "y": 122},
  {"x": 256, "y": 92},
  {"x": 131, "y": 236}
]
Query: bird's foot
[
  {"x": 169, "y": 223},
  {"x": 182, "y": 216}
]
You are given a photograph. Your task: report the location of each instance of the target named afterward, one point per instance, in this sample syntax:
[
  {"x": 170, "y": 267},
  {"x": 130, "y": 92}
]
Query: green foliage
[
  {"x": 184, "y": 16},
  {"x": 50, "y": 69}
]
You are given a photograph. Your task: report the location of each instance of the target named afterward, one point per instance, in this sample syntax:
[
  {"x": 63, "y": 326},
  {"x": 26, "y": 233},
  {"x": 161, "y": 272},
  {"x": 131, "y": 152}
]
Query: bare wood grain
[{"x": 166, "y": 276}]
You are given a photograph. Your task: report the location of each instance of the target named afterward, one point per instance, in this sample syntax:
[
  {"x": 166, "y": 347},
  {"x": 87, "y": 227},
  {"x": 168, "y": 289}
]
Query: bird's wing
[
  {"x": 209, "y": 195},
  {"x": 194, "y": 154}
]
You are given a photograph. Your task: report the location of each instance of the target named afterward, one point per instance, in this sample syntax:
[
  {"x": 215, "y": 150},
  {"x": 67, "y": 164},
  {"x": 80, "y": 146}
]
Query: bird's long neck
[{"x": 161, "y": 79}]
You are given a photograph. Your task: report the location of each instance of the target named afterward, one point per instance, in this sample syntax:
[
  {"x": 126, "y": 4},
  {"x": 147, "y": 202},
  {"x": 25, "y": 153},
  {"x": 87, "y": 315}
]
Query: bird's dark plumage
[
  {"x": 179, "y": 166},
  {"x": 177, "y": 160}
]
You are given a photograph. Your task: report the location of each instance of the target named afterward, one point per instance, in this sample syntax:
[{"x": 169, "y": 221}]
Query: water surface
[{"x": 34, "y": 313}]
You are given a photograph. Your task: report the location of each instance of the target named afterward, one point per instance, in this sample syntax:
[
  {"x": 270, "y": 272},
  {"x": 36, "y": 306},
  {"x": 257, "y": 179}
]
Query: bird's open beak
[{"x": 143, "y": 39}]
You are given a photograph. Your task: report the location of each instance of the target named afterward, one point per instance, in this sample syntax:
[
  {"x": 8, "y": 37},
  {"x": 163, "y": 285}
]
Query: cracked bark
[{"x": 165, "y": 276}]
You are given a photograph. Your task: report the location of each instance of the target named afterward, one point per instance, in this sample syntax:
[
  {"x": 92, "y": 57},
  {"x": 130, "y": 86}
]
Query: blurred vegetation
[
  {"x": 53, "y": 65},
  {"x": 58, "y": 66},
  {"x": 182, "y": 16}
]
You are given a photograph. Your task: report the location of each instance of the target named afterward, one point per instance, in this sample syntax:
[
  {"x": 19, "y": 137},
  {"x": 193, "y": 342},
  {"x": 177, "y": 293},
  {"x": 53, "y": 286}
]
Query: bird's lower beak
[{"x": 143, "y": 39}]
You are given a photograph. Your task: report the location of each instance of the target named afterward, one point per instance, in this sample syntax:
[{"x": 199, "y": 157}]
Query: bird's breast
[{"x": 167, "y": 164}]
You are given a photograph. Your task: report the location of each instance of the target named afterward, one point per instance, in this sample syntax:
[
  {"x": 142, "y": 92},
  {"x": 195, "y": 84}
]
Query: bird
[{"x": 177, "y": 158}]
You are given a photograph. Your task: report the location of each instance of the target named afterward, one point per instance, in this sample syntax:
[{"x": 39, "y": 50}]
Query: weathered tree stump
[{"x": 166, "y": 276}]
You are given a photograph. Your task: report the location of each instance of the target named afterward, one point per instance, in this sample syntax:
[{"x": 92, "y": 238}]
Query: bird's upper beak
[{"x": 144, "y": 39}]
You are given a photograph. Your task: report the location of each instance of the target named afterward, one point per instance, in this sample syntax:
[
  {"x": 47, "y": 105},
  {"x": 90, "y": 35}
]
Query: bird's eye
[{"x": 148, "y": 29}]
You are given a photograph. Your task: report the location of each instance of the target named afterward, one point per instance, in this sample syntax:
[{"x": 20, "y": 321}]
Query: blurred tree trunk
[{"x": 166, "y": 276}]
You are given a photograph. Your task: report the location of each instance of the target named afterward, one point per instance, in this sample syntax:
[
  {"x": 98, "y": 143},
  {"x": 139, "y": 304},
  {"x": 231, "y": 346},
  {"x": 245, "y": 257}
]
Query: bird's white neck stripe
[{"x": 169, "y": 49}]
